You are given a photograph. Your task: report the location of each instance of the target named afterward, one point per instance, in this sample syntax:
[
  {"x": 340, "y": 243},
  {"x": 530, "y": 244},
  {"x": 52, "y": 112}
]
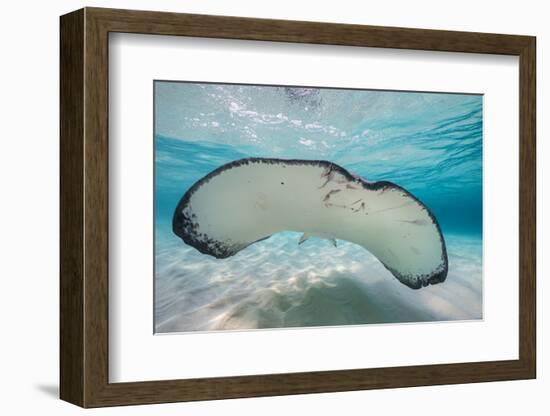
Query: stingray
[{"x": 249, "y": 200}]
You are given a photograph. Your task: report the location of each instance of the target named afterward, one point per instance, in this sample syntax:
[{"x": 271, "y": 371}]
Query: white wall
[{"x": 29, "y": 208}]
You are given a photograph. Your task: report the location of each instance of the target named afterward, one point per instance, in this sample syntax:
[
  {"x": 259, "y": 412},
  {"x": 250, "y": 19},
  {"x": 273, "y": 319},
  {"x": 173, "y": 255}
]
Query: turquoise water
[{"x": 428, "y": 143}]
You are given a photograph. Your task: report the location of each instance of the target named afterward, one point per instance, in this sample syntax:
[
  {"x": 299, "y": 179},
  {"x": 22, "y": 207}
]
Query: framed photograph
[{"x": 255, "y": 207}]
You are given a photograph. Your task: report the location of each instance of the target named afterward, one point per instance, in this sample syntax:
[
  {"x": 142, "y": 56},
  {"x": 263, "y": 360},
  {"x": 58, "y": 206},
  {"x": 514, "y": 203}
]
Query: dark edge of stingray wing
[{"x": 185, "y": 227}]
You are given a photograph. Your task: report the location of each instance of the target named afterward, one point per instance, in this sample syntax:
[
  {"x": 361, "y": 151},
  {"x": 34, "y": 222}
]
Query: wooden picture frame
[{"x": 84, "y": 207}]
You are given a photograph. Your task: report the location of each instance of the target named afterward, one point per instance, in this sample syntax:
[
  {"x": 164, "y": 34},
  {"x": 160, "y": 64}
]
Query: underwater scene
[{"x": 285, "y": 207}]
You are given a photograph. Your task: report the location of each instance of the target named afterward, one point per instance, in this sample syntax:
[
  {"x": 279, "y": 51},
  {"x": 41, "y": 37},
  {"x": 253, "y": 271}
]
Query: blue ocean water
[{"x": 428, "y": 143}]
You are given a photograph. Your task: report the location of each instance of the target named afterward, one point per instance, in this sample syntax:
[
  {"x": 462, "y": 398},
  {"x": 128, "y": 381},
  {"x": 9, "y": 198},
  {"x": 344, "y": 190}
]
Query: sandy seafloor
[{"x": 275, "y": 284}]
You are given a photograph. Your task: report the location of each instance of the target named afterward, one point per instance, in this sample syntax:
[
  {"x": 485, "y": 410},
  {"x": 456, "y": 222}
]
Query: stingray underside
[{"x": 251, "y": 199}]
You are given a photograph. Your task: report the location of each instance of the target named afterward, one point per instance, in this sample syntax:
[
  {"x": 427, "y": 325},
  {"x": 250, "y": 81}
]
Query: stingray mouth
[{"x": 249, "y": 200}]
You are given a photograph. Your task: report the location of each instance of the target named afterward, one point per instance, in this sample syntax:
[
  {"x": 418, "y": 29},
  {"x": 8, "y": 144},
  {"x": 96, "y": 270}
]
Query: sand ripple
[{"x": 276, "y": 284}]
